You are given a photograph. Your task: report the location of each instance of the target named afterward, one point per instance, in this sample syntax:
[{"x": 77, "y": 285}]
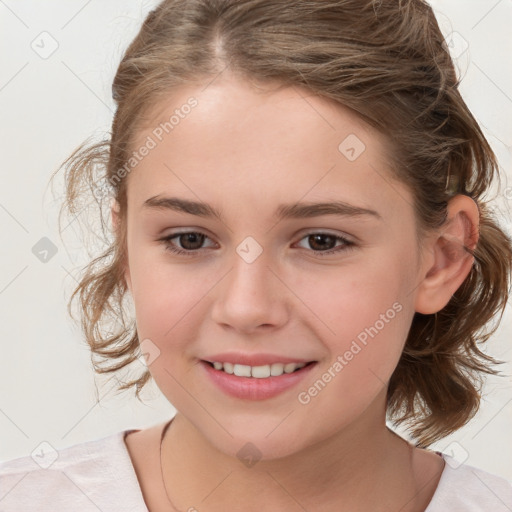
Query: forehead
[{"x": 231, "y": 141}]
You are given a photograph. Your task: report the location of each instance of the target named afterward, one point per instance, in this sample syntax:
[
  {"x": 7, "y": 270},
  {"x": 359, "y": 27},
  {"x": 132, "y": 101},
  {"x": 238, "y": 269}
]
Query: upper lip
[{"x": 253, "y": 359}]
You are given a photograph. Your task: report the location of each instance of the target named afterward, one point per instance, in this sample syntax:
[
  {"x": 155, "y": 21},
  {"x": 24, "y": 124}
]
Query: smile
[
  {"x": 257, "y": 372},
  {"x": 260, "y": 382}
]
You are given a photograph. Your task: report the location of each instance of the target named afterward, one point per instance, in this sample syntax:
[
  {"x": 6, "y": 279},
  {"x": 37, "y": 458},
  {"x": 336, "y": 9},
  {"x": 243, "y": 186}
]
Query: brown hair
[{"x": 387, "y": 61}]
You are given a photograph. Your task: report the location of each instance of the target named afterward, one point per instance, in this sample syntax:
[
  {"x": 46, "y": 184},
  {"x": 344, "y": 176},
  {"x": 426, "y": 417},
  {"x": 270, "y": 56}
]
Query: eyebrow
[{"x": 283, "y": 211}]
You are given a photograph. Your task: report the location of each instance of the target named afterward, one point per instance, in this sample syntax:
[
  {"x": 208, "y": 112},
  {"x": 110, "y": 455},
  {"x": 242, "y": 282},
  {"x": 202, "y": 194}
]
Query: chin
[{"x": 253, "y": 439}]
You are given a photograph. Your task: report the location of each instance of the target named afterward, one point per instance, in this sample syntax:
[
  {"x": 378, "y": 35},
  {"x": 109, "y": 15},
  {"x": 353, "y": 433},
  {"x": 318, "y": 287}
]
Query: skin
[{"x": 245, "y": 151}]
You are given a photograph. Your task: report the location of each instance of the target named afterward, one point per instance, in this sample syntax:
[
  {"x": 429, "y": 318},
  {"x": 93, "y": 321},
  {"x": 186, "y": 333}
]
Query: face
[{"x": 273, "y": 279}]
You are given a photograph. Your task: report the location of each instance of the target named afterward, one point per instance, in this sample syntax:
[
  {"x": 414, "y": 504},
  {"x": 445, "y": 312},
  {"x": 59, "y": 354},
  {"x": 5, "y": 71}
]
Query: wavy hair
[{"x": 388, "y": 62}]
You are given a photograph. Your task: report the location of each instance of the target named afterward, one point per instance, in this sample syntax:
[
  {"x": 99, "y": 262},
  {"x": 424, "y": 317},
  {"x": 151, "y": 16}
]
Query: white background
[{"x": 48, "y": 391}]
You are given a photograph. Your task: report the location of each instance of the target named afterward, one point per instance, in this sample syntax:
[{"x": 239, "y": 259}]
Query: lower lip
[{"x": 251, "y": 388}]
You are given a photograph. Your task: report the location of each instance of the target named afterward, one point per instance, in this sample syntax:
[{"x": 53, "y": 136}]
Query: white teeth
[
  {"x": 228, "y": 367},
  {"x": 276, "y": 369},
  {"x": 241, "y": 370},
  {"x": 288, "y": 368},
  {"x": 258, "y": 372}
]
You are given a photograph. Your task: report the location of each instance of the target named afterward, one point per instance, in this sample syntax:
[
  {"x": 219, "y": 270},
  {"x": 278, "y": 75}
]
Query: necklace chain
[{"x": 164, "y": 431}]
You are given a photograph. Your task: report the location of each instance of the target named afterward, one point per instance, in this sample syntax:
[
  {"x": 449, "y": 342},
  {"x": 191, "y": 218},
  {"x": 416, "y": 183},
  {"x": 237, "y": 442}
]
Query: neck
[{"x": 334, "y": 474}]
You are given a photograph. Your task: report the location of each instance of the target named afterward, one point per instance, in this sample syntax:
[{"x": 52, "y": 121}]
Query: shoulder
[
  {"x": 466, "y": 488},
  {"x": 86, "y": 476}
]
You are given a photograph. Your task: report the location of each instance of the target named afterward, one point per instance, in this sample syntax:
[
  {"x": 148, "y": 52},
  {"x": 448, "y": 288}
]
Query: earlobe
[
  {"x": 451, "y": 256},
  {"x": 114, "y": 213},
  {"x": 128, "y": 279},
  {"x": 115, "y": 218}
]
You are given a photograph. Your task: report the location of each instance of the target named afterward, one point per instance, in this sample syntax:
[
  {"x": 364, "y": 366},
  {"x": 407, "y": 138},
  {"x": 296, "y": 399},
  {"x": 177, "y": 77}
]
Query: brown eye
[
  {"x": 322, "y": 242},
  {"x": 191, "y": 241},
  {"x": 325, "y": 243},
  {"x": 187, "y": 243}
]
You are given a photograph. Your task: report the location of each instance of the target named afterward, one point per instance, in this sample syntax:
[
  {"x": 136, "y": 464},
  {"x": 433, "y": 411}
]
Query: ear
[
  {"x": 115, "y": 217},
  {"x": 114, "y": 211},
  {"x": 448, "y": 261}
]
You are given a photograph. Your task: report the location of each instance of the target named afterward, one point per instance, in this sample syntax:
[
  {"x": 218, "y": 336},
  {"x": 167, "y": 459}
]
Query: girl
[{"x": 296, "y": 194}]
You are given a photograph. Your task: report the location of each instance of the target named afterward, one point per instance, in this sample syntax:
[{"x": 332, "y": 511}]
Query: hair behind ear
[{"x": 436, "y": 386}]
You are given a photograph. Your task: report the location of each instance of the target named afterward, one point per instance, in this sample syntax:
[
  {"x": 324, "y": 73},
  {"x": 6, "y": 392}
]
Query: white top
[{"x": 99, "y": 476}]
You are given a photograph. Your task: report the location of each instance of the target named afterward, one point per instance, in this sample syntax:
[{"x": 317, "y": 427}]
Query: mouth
[
  {"x": 260, "y": 382},
  {"x": 257, "y": 372}
]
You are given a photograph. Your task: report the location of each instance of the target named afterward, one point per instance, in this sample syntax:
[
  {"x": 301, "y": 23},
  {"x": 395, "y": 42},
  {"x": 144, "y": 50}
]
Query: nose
[{"x": 251, "y": 297}]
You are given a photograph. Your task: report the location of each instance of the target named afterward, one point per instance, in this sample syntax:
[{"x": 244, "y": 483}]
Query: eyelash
[{"x": 347, "y": 244}]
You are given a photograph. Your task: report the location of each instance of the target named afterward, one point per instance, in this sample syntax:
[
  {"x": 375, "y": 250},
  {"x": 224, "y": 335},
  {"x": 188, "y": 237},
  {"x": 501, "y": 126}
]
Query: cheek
[
  {"x": 169, "y": 304},
  {"x": 351, "y": 298},
  {"x": 162, "y": 292},
  {"x": 165, "y": 299},
  {"x": 363, "y": 317}
]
